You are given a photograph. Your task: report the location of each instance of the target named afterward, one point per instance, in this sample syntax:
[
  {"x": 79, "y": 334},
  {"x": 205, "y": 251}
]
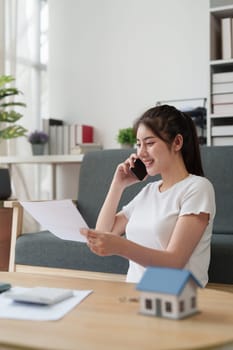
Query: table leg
[
  {"x": 5, "y": 237},
  {"x": 54, "y": 181}
]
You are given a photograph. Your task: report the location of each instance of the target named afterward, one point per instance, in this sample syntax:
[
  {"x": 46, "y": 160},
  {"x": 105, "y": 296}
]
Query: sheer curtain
[
  {"x": 2, "y": 57},
  {"x": 23, "y": 26}
]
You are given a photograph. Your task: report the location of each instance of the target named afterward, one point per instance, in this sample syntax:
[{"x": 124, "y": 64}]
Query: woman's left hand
[{"x": 101, "y": 243}]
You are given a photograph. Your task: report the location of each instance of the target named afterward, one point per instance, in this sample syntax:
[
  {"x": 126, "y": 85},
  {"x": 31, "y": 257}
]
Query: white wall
[{"x": 110, "y": 60}]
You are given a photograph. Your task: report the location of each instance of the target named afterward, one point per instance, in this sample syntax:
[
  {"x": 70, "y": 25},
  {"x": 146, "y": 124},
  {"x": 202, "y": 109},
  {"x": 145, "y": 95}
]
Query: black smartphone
[
  {"x": 4, "y": 287},
  {"x": 139, "y": 169}
]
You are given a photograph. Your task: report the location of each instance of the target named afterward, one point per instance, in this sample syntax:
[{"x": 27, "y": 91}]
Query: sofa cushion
[
  {"x": 221, "y": 262},
  {"x": 44, "y": 249},
  {"x": 218, "y": 168}
]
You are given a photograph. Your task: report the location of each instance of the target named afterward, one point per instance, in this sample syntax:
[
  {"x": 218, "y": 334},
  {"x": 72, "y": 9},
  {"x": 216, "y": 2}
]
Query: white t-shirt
[{"x": 152, "y": 216}]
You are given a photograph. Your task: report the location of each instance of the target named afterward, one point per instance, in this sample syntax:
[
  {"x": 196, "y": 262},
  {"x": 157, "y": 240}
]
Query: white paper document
[
  {"x": 35, "y": 312},
  {"x": 60, "y": 217}
]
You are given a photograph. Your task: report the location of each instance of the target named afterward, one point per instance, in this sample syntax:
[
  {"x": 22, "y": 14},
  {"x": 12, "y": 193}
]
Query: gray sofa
[
  {"x": 44, "y": 249},
  {"x": 218, "y": 167}
]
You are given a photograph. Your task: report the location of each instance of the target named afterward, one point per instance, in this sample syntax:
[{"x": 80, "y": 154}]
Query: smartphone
[
  {"x": 139, "y": 169},
  {"x": 4, "y": 287}
]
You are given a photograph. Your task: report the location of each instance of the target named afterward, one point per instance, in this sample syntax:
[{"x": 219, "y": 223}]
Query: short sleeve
[{"x": 199, "y": 198}]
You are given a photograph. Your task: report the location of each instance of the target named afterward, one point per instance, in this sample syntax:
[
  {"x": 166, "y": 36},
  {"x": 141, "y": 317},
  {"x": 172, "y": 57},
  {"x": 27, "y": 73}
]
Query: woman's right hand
[{"x": 123, "y": 174}]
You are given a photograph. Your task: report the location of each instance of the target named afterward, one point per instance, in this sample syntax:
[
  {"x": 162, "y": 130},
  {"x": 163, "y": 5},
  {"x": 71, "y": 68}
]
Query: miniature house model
[{"x": 167, "y": 292}]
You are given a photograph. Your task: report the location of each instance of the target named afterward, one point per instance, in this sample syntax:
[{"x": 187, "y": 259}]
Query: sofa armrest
[{"x": 16, "y": 229}]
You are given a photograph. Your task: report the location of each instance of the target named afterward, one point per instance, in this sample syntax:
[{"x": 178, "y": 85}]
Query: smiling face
[
  {"x": 167, "y": 139},
  {"x": 155, "y": 153}
]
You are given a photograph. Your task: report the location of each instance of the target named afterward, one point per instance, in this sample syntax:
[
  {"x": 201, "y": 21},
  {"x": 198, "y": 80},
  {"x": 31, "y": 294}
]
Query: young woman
[{"x": 169, "y": 223}]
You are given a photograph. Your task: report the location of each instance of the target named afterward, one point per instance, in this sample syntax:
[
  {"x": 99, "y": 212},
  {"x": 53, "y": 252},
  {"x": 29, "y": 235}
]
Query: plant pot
[
  {"x": 5, "y": 184},
  {"x": 37, "y": 149}
]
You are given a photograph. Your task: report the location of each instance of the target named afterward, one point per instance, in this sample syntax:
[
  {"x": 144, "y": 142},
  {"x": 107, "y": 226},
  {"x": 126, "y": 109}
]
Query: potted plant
[
  {"x": 126, "y": 137},
  {"x": 38, "y": 139},
  {"x": 8, "y": 116},
  {"x": 8, "y": 128}
]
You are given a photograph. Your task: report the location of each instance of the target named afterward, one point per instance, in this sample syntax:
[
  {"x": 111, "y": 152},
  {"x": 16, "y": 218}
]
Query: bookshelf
[
  {"x": 220, "y": 106},
  {"x": 64, "y": 139}
]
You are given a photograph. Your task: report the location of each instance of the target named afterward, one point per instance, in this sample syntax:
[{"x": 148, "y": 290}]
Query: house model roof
[{"x": 165, "y": 280}]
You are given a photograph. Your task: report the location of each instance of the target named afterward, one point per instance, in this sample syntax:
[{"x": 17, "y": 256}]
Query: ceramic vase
[{"x": 37, "y": 149}]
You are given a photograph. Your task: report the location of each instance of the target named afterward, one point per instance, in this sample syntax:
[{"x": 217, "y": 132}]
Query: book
[
  {"x": 224, "y": 108},
  {"x": 53, "y": 139},
  {"x": 46, "y": 123},
  {"x": 222, "y": 130},
  {"x": 72, "y": 142},
  {"x": 80, "y": 134},
  {"x": 66, "y": 139},
  {"x": 84, "y": 134},
  {"x": 222, "y": 98},
  {"x": 222, "y": 140},
  {"x": 220, "y": 88},
  {"x": 222, "y": 77},
  {"x": 59, "y": 139},
  {"x": 83, "y": 148},
  {"x": 49, "y": 126},
  {"x": 226, "y": 42}
]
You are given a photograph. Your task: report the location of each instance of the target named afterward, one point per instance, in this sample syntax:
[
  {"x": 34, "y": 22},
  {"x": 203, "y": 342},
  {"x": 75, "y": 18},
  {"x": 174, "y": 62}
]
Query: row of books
[
  {"x": 68, "y": 138},
  {"x": 222, "y": 140},
  {"x": 222, "y": 93},
  {"x": 222, "y": 134},
  {"x": 220, "y": 130},
  {"x": 222, "y": 88},
  {"x": 227, "y": 38}
]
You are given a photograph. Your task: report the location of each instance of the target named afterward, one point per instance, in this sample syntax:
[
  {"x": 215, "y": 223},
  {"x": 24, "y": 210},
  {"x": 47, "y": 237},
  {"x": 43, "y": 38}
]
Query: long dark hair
[{"x": 166, "y": 122}]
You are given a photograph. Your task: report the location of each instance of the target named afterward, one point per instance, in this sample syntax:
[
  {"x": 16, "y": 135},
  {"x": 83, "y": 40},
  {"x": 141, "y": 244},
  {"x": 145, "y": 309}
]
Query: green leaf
[
  {"x": 12, "y": 132},
  {"x": 9, "y": 92},
  {"x": 127, "y": 136},
  {"x": 21, "y": 104},
  {"x": 9, "y": 117},
  {"x": 6, "y": 116},
  {"x": 4, "y": 79}
]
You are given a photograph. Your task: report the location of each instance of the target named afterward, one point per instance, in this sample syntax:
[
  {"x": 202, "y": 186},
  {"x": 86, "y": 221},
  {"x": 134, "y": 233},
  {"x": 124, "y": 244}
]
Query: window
[
  {"x": 193, "y": 302},
  {"x": 148, "y": 304},
  {"x": 26, "y": 58},
  {"x": 181, "y": 305},
  {"x": 44, "y": 58},
  {"x": 168, "y": 306},
  {"x": 26, "y": 55}
]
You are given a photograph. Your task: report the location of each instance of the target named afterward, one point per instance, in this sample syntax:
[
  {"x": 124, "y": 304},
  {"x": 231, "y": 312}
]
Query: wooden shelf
[
  {"x": 52, "y": 160},
  {"x": 45, "y": 159},
  {"x": 219, "y": 65}
]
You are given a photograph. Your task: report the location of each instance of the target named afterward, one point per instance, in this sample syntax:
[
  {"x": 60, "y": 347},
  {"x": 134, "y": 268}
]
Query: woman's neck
[{"x": 177, "y": 173}]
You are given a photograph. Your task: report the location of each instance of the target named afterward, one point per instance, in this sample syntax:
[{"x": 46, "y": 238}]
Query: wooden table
[{"x": 109, "y": 319}]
